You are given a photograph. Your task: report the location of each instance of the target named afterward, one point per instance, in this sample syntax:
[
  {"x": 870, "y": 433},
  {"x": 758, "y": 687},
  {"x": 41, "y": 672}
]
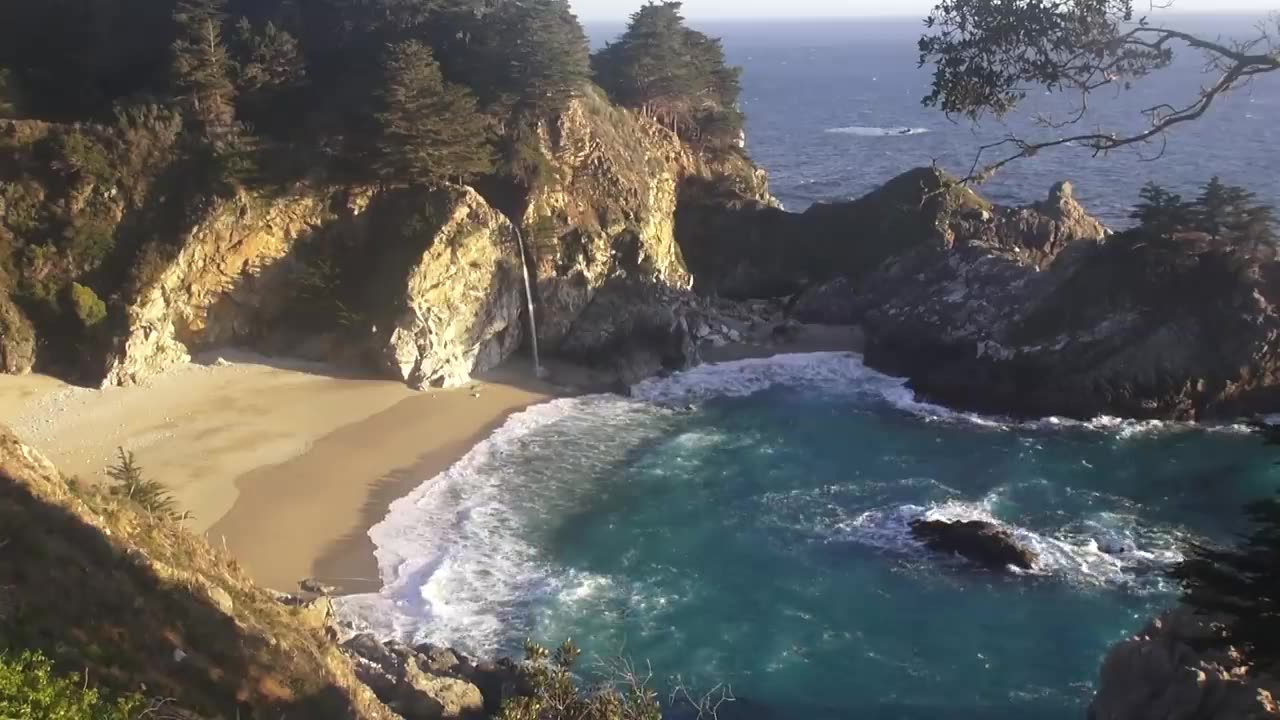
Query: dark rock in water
[{"x": 979, "y": 542}]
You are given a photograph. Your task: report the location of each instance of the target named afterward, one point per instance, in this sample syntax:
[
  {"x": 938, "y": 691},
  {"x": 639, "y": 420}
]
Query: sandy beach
[
  {"x": 286, "y": 463},
  {"x": 290, "y": 463}
]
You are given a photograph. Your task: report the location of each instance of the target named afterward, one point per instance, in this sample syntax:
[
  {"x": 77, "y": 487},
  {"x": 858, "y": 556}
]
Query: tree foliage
[
  {"x": 537, "y": 55},
  {"x": 202, "y": 68},
  {"x": 672, "y": 73},
  {"x": 988, "y": 54},
  {"x": 432, "y": 131},
  {"x": 1223, "y": 212}
]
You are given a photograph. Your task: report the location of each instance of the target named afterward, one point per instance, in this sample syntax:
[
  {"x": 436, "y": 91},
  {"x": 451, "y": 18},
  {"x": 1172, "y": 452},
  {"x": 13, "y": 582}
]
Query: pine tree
[
  {"x": 432, "y": 132},
  {"x": 671, "y": 73},
  {"x": 269, "y": 58},
  {"x": 1161, "y": 212},
  {"x": 202, "y": 68},
  {"x": 542, "y": 54}
]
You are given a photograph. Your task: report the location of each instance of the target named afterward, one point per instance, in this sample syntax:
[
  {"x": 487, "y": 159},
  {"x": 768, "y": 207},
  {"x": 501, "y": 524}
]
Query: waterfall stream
[{"x": 528, "y": 294}]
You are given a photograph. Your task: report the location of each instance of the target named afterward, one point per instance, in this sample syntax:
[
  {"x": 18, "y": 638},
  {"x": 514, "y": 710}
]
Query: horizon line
[{"x": 1226, "y": 12}]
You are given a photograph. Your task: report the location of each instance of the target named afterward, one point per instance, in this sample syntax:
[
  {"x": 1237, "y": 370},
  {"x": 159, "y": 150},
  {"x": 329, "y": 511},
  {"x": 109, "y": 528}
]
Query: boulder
[
  {"x": 1179, "y": 667},
  {"x": 368, "y": 647},
  {"x": 979, "y": 542},
  {"x": 425, "y": 696}
]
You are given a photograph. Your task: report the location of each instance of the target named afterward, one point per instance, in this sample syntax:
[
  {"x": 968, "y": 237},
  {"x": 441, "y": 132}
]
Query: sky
[{"x": 617, "y": 10}]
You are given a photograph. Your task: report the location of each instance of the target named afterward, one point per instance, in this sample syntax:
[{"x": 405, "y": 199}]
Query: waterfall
[{"x": 528, "y": 294}]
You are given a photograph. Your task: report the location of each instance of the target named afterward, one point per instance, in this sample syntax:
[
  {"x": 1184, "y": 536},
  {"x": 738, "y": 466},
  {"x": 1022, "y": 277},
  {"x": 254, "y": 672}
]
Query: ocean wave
[
  {"x": 844, "y": 374},
  {"x": 457, "y": 557},
  {"x": 864, "y": 131}
]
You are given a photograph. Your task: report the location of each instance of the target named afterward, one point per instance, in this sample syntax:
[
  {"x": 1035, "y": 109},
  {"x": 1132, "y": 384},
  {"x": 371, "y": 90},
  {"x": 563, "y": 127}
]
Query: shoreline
[{"x": 289, "y": 464}]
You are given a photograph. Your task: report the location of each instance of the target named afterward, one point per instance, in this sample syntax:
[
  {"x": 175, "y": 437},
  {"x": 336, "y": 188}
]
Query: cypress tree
[
  {"x": 1161, "y": 211},
  {"x": 543, "y": 57},
  {"x": 431, "y": 130},
  {"x": 202, "y": 68},
  {"x": 671, "y": 73}
]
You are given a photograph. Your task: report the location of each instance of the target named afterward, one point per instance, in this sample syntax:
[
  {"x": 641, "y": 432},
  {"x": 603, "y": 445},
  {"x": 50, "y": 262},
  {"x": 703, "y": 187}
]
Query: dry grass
[{"x": 104, "y": 589}]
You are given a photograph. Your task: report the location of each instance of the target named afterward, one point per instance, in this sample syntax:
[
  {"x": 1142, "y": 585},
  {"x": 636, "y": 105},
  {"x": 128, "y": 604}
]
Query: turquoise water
[{"x": 746, "y": 524}]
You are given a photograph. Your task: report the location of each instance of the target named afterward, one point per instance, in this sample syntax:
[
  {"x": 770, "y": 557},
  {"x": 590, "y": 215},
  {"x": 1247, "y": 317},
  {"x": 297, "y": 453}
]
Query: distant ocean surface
[
  {"x": 827, "y": 105},
  {"x": 747, "y": 523}
]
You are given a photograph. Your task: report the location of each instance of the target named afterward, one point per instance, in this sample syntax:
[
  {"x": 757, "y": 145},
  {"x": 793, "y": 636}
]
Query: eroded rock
[
  {"x": 979, "y": 542},
  {"x": 1178, "y": 667}
]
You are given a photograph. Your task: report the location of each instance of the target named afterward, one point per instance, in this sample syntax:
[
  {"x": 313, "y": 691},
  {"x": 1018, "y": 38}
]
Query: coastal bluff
[{"x": 421, "y": 285}]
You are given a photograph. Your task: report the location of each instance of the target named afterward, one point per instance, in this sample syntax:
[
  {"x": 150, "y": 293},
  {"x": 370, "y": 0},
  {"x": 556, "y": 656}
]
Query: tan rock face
[
  {"x": 229, "y": 269},
  {"x": 607, "y": 207},
  {"x": 462, "y": 298},
  {"x": 449, "y": 307},
  {"x": 1159, "y": 674}
]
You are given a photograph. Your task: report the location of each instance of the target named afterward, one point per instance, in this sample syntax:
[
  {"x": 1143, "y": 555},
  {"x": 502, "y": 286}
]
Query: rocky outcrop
[
  {"x": 604, "y": 214},
  {"x": 1178, "y": 667},
  {"x": 635, "y": 330},
  {"x": 1038, "y": 312},
  {"x": 739, "y": 247},
  {"x": 423, "y": 284},
  {"x": 981, "y": 543},
  {"x": 432, "y": 683},
  {"x": 229, "y": 271},
  {"x": 458, "y": 310},
  {"x": 17, "y": 339}
]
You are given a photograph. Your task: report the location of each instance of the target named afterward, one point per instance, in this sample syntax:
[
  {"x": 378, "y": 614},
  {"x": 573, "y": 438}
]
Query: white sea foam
[
  {"x": 1108, "y": 550},
  {"x": 864, "y": 131}
]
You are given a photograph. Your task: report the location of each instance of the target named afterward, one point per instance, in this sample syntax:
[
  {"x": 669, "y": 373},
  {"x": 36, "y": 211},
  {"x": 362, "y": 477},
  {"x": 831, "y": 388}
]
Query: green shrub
[
  {"x": 29, "y": 688},
  {"x": 21, "y": 207},
  {"x": 88, "y": 307},
  {"x": 82, "y": 154},
  {"x": 90, "y": 240},
  {"x": 556, "y": 696}
]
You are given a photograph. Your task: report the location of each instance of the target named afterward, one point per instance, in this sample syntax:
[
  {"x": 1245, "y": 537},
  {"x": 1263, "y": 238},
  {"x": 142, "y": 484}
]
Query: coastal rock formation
[
  {"x": 430, "y": 683},
  {"x": 603, "y": 222},
  {"x": 17, "y": 339},
  {"x": 1166, "y": 672},
  {"x": 1030, "y": 311},
  {"x": 423, "y": 283},
  {"x": 1049, "y": 316},
  {"x": 979, "y": 542},
  {"x": 128, "y": 600},
  {"x": 634, "y": 329},
  {"x": 226, "y": 274}
]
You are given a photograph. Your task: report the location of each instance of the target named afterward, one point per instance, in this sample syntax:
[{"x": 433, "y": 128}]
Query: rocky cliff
[
  {"x": 422, "y": 285},
  {"x": 1033, "y": 311},
  {"x": 1165, "y": 671}
]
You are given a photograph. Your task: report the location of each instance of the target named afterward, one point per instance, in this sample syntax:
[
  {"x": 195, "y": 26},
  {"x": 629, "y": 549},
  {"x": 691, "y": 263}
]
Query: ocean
[
  {"x": 746, "y": 523},
  {"x": 833, "y": 111}
]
